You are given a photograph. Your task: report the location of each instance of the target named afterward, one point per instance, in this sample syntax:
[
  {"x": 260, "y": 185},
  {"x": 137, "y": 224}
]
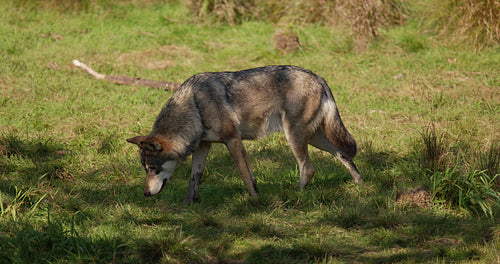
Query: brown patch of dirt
[
  {"x": 157, "y": 58},
  {"x": 416, "y": 197},
  {"x": 286, "y": 42}
]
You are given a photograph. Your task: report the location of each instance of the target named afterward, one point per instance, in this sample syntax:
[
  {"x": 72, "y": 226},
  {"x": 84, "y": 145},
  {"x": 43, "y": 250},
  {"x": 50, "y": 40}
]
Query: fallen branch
[{"x": 125, "y": 80}]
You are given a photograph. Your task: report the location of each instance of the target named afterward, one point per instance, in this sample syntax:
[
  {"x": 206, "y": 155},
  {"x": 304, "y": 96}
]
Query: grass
[{"x": 425, "y": 115}]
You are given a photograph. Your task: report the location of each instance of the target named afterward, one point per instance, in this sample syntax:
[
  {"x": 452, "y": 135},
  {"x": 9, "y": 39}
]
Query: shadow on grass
[
  {"x": 32, "y": 158},
  {"x": 226, "y": 214},
  {"x": 302, "y": 253},
  {"x": 50, "y": 242},
  {"x": 23, "y": 165},
  {"x": 412, "y": 234}
]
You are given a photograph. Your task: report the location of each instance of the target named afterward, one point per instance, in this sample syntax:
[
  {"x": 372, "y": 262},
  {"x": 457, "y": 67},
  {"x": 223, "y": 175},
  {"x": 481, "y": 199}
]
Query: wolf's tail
[{"x": 336, "y": 132}]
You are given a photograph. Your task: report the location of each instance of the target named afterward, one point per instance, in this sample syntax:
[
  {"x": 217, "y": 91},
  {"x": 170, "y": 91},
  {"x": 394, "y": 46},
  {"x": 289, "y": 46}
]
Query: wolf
[{"x": 228, "y": 107}]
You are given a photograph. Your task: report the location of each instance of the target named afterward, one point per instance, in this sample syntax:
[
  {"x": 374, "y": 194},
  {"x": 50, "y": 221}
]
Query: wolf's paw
[{"x": 188, "y": 200}]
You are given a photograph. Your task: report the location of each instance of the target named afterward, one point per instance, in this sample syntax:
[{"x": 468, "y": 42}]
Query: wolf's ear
[
  {"x": 152, "y": 145},
  {"x": 148, "y": 143},
  {"x": 137, "y": 140}
]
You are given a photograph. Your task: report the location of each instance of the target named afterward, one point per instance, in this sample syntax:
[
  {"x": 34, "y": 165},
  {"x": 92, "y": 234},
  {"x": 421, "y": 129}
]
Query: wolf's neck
[{"x": 180, "y": 121}]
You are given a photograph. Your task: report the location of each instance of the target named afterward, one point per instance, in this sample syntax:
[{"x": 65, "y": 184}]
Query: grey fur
[{"x": 228, "y": 107}]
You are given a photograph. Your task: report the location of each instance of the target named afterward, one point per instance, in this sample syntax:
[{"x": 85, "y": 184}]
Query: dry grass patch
[
  {"x": 475, "y": 21},
  {"x": 365, "y": 17}
]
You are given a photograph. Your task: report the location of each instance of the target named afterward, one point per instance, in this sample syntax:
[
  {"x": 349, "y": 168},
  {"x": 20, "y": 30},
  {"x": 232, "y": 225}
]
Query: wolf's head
[{"x": 159, "y": 158}]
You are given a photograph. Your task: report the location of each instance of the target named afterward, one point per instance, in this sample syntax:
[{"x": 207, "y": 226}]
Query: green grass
[{"x": 425, "y": 115}]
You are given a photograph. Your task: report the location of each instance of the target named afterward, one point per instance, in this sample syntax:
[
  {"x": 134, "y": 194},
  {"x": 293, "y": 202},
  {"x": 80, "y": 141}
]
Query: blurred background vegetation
[{"x": 475, "y": 22}]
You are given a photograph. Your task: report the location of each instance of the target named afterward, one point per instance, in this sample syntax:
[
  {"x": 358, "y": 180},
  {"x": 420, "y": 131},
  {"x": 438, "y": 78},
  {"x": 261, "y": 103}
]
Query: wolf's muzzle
[{"x": 148, "y": 193}]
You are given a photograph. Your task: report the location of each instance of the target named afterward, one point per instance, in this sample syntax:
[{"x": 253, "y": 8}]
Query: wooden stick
[
  {"x": 125, "y": 80},
  {"x": 89, "y": 70}
]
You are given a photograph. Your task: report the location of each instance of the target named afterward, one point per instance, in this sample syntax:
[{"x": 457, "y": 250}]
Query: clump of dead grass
[
  {"x": 365, "y": 17},
  {"x": 474, "y": 21},
  {"x": 225, "y": 11}
]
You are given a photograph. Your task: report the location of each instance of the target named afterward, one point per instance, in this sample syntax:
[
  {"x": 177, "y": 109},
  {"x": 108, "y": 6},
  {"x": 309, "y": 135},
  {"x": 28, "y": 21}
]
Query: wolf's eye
[{"x": 154, "y": 168}]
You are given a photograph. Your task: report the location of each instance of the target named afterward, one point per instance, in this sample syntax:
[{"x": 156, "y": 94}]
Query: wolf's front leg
[
  {"x": 237, "y": 151},
  {"x": 199, "y": 158}
]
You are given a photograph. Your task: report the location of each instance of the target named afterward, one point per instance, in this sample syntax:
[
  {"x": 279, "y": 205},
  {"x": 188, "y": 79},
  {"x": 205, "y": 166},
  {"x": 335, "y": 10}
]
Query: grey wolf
[{"x": 228, "y": 107}]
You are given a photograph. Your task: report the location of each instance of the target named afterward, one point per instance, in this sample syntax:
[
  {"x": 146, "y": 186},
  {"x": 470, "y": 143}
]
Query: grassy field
[{"x": 425, "y": 114}]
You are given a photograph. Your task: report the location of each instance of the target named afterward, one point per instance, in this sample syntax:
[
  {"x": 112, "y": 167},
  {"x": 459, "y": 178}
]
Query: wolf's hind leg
[
  {"x": 320, "y": 141},
  {"x": 298, "y": 144},
  {"x": 237, "y": 151},
  {"x": 199, "y": 159}
]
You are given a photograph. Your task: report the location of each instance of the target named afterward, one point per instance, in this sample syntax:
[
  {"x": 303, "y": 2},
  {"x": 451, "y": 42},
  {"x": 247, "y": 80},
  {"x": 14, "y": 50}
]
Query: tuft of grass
[
  {"x": 474, "y": 191},
  {"x": 23, "y": 204},
  {"x": 433, "y": 150},
  {"x": 460, "y": 176},
  {"x": 489, "y": 160}
]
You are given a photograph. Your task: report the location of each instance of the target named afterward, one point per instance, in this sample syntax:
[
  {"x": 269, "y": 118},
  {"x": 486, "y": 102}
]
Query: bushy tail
[{"x": 336, "y": 132}]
